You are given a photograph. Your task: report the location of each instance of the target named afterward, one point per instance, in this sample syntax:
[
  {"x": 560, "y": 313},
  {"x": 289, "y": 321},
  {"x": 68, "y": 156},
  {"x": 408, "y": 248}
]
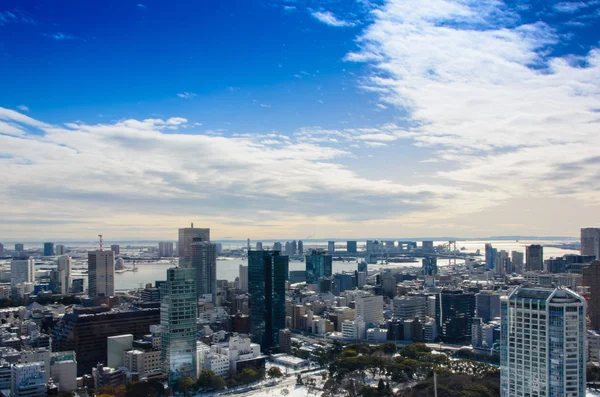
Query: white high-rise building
[
  {"x": 369, "y": 308},
  {"x": 101, "y": 273},
  {"x": 543, "y": 343},
  {"x": 184, "y": 245},
  {"x": 22, "y": 271},
  {"x": 63, "y": 270},
  {"x": 410, "y": 306},
  {"x": 59, "y": 249},
  {"x": 590, "y": 241},
  {"x": 244, "y": 278}
]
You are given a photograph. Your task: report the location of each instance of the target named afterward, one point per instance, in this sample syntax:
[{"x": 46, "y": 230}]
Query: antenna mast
[{"x": 100, "y": 241}]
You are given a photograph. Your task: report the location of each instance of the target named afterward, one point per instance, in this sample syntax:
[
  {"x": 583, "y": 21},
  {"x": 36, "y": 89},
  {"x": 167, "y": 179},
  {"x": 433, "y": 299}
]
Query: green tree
[
  {"x": 274, "y": 372},
  {"x": 185, "y": 385},
  {"x": 390, "y": 348}
]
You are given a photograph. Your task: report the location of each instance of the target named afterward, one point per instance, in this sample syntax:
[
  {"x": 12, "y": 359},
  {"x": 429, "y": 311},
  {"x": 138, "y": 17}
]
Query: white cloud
[
  {"x": 186, "y": 95},
  {"x": 569, "y": 7},
  {"x": 141, "y": 5},
  {"x": 289, "y": 8},
  {"x": 463, "y": 71},
  {"x": 328, "y": 18},
  {"x": 23, "y": 108},
  {"x": 265, "y": 105}
]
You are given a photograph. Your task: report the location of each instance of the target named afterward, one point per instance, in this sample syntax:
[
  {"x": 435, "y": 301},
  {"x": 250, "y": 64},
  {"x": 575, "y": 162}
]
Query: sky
[{"x": 299, "y": 118}]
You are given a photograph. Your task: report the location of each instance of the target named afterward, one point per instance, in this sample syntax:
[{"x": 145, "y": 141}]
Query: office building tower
[
  {"x": 204, "y": 260},
  {"x": 19, "y": 247},
  {"x": 266, "y": 286},
  {"x": 244, "y": 278},
  {"x": 77, "y": 285},
  {"x": 409, "y": 307},
  {"x": 101, "y": 273},
  {"x": 59, "y": 249},
  {"x": 85, "y": 331},
  {"x": 518, "y": 260},
  {"x": 116, "y": 248},
  {"x": 293, "y": 247},
  {"x": 388, "y": 283},
  {"x": 534, "y": 257},
  {"x": 591, "y": 279},
  {"x": 29, "y": 380},
  {"x": 319, "y": 264},
  {"x": 48, "y": 249},
  {"x": 454, "y": 314},
  {"x": 22, "y": 271},
  {"x": 259, "y": 246},
  {"x": 186, "y": 238},
  {"x": 331, "y": 247},
  {"x": 363, "y": 267},
  {"x": 503, "y": 264},
  {"x": 341, "y": 283},
  {"x": 543, "y": 344},
  {"x": 372, "y": 246},
  {"x": 490, "y": 257},
  {"x": 300, "y": 248},
  {"x": 351, "y": 247},
  {"x": 427, "y": 246},
  {"x": 277, "y": 246},
  {"x": 1, "y": 249},
  {"x": 325, "y": 285},
  {"x": 288, "y": 248},
  {"x": 178, "y": 323},
  {"x": 369, "y": 309},
  {"x": 590, "y": 241},
  {"x": 63, "y": 274},
  {"x": 568, "y": 263},
  {"x": 429, "y": 266},
  {"x": 165, "y": 249},
  {"x": 487, "y": 305}
]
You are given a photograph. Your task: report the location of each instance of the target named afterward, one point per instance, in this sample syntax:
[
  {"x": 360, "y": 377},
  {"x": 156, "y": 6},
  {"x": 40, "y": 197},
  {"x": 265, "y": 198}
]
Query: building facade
[
  {"x": 543, "y": 345},
  {"x": 101, "y": 273},
  {"x": 186, "y": 238},
  {"x": 454, "y": 314},
  {"x": 534, "y": 257},
  {"x": 22, "y": 271},
  {"x": 590, "y": 241},
  {"x": 319, "y": 264},
  {"x": 204, "y": 260},
  {"x": 48, "y": 249}
]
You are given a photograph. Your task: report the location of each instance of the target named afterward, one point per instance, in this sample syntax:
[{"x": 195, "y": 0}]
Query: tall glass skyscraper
[
  {"x": 266, "y": 286},
  {"x": 318, "y": 265},
  {"x": 454, "y": 314},
  {"x": 186, "y": 238},
  {"x": 543, "y": 345},
  {"x": 48, "y": 249},
  {"x": 178, "y": 323},
  {"x": 204, "y": 260}
]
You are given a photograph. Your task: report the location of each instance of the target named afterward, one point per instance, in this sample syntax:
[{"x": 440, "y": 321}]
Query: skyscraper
[
  {"x": 429, "y": 266},
  {"x": 318, "y": 265},
  {"x": 63, "y": 273},
  {"x": 300, "y": 247},
  {"x": 259, "y": 245},
  {"x": 116, "y": 248},
  {"x": 59, "y": 249},
  {"x": 204, "y": 260},
  {"x": 243, "y": 278},
  {"x": 266, "y": 285},
  {"x": 178, "y": 323},
  {"x": 165, "y": 249},
  {"x": 490, "y": 257},
  {"x": 48, "y": 249},
  {"x": 101, "y": 273},
  {"x": 19, "y": 247},
  {"x": 454, "y": 314},
  {"x": 543, "y": 347},
  {"x": 534, "y": 257},
  {"x": 518, "y": 259},
  {"x": 487, "y": 305},
  {"x": 186, "y": 237},
  {"x": 591, "y": 279},
  {"x": 590, "y": 241},
  {"x": 351, "y": 247},
  {"x": 22, "y": 271},
  {"x": 331, "y": 247},
  {"x": 277, "y": 246}
]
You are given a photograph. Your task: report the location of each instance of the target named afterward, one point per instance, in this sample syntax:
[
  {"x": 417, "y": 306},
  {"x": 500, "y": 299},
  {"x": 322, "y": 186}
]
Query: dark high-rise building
[
  {"x": 85, "y": 331},
  {"x": 590, "y": 241},
  {"x": 351, "y": 247},
  {"x": 77, "y": 285},
  {"x": 116, "y": 248},
  {"x": 1, "y": 249},
  {"x": 568, "y": 263},
  {"x": 325, "y": 285},
  {"x": 165, "y": 249},
  {"x": 487, "y": 305},
  {"x": 277, "y": 246},
  {"x": 490, "y": 257},
  {"x": 591, "y": 279},
  {"x": 363, "y": 267},
  {"x": 300, "y": 248},
  {"x": 427, "y": 245},
  {"x": 186, "y": 238},
  {"x": 204, "y": 260},
  {"x": 19, "y": 247},
  {"x": 429, "y": 267},
  {"x": 341, "y": 283},
  {"x": 454, "y": 314},
  {"x": 331, "y": 247},
  {"x": 267, "y": 273},
  {"x": 48, "y": 249},
  {"x": 318, "y": 265},
  {"x": 534, "y": 257}
]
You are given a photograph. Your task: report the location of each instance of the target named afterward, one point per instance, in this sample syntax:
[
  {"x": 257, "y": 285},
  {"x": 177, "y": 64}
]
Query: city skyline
[{"x": 401, "y": 118}]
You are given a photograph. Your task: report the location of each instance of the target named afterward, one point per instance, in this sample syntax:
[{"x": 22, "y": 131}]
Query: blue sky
[{"x": 273, "y": 119}]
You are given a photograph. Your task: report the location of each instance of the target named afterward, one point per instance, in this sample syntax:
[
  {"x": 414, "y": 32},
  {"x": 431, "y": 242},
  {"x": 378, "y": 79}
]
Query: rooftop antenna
[{"x": 100, "y": 241}]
